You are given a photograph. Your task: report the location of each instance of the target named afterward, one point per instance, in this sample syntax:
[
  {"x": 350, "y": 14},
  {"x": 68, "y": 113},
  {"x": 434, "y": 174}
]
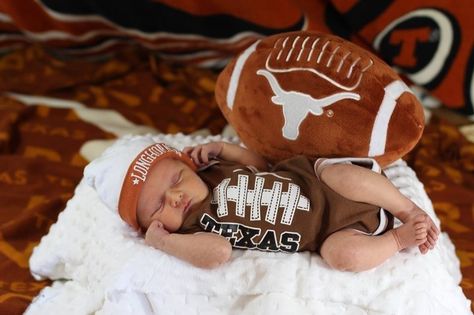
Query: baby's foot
[
  {"x": 431, "y": 229},
  {"x": 411, "y": 233}
]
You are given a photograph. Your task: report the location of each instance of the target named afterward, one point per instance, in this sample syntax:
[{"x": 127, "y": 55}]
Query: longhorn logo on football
[{"x": 296, "y": 105}]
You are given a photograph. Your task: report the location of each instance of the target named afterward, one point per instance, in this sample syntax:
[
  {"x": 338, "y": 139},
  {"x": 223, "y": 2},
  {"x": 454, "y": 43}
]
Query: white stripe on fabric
[
  {"x": 5, "y": 18},
  {"x": 257, "y": 199},
  {"x": 378, "y": 138},
  {"x": 367, "y": 162},
  {"x": 234, "y": 78},
  {"x": 274, "y": 204},
  {"x": 221, "y": 191},
  {"x": 382, "y": 225},
  {"x": 119, "y": 29},
  {"x": 383, "y": 222},
  {"x": 106, "y": 119},
  {"x": 242, "y": 189}
]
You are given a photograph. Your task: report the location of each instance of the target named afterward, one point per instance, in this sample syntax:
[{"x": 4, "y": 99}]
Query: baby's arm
[
  {"x": 204, "y": 250},
  {"x": 226, "y": 151}
]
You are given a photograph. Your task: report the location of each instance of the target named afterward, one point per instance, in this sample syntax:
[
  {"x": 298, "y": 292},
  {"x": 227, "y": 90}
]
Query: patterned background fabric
[
  {"x": 444, "y": 162},
  {"x": 40, "y": 164},
  {"x": 64, "y": 51},
  {"x": 430, "y": 41}
]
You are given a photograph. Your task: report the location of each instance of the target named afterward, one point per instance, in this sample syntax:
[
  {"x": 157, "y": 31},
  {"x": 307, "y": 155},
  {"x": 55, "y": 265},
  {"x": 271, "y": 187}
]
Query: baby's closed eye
[{"x": 177, "y": 178}]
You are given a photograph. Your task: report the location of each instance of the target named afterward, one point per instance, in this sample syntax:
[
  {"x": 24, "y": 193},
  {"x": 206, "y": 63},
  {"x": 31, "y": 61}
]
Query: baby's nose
[{"x": 177, "y": 198}]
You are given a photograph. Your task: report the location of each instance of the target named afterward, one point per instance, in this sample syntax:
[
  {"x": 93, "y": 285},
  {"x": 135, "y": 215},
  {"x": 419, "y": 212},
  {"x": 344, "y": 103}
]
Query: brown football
[{"x": 319, "y": 95}]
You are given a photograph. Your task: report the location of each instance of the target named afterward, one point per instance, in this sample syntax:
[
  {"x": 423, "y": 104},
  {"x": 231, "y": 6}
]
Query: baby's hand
[
  {"x": 201, "y": 154},
  {"x": 155, "y": 233}
]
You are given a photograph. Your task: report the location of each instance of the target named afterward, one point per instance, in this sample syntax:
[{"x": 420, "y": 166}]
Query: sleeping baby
[{"x": 199, "y": 203}]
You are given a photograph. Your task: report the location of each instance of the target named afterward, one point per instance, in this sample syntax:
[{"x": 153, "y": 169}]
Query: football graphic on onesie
[{"x": 318, "y": 95}]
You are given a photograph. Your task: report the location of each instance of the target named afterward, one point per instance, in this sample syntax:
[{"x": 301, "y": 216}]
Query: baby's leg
[
  {"x": 351, "y": 250},
  {"x": 363, "y": 185}
]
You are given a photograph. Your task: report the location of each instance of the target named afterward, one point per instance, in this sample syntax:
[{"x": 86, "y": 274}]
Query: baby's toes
[
  {"x": 420, "y": 226},
  {"x": 431, "y": 241},
  {"x": 434, "y": 232},
  {"x": 421, "y": 235},
  {"x": 432, "y": 226},
  {"x": 423, "y": 249},
  {"x": 420, "y": 218}
]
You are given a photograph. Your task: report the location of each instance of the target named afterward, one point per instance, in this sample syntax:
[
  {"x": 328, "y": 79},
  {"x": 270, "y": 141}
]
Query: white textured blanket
[{"x": 103, "y": 267}]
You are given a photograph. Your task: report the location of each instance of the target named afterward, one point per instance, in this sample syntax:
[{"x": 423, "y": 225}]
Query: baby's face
[{"x": 171, "y": 192}]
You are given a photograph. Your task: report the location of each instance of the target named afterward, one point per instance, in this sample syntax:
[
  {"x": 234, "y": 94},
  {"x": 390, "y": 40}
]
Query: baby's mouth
[{"x": 187, "y": 206}]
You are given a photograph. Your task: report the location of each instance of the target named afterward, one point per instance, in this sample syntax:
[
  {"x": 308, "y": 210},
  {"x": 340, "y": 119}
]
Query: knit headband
[{"x": 136, "y": 176}]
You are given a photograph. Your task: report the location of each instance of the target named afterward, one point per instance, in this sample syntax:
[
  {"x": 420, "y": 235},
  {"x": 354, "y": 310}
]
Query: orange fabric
[
  {"x": 433, "y": 35},
  {"x": 40, "y": 160},
  {"x": 444, "y": 163},
  {"x": 414, "y": 30},
  {"x": 136, "y": 177},
  {"x": 40, "y": 163},
  {"x": 186, "y": 31}
]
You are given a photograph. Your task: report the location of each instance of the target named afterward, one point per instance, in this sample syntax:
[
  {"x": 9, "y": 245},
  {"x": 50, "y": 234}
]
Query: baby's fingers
[
  {"x": 196, "y": 155},
  {"x": 205, "y": 154},
  {"x": 191, "y": 152},
  {"x": 187, "y": 150},
  {"x": 154, "y": 226},
  {"x": 155, "y": 232}
]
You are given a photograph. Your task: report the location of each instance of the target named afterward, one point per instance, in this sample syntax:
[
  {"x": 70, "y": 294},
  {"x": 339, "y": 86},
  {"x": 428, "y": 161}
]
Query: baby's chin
[
  {"x": 202, "y": 199},
  {"x": 195, "y": 206},
  {"x": 192, "y": 209}
]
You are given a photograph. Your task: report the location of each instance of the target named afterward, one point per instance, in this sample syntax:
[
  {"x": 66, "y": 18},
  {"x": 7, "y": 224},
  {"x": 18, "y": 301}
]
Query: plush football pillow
[{"x": 316, "y": 94}]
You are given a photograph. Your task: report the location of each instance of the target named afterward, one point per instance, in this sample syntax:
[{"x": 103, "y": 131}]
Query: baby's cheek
[
  {"x": 175, "y": 224},
  {"x": 204, "y": 190}
]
